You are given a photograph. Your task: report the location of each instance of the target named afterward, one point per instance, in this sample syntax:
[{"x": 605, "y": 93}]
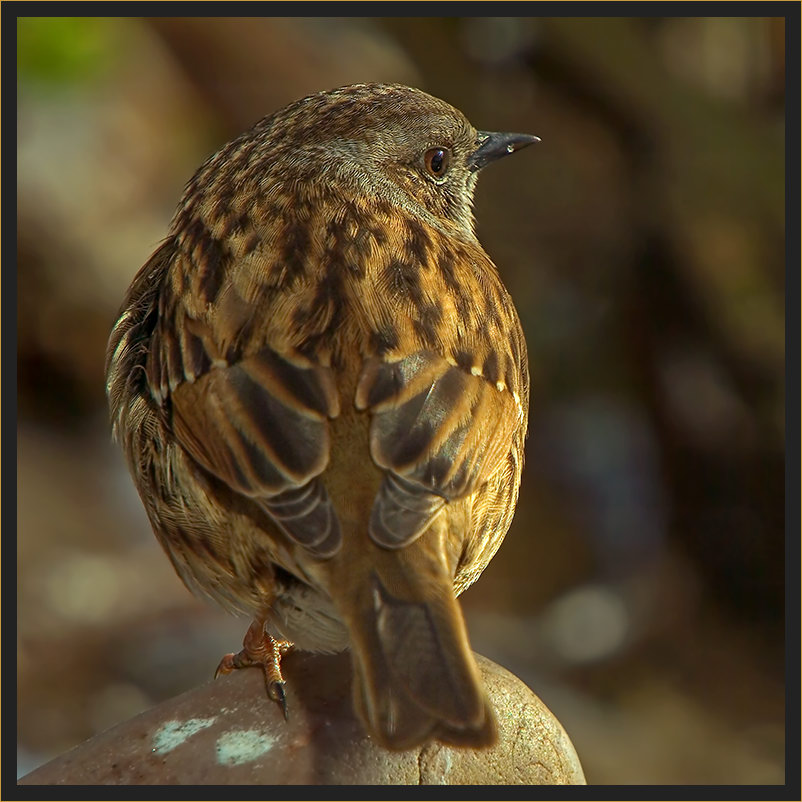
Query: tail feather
[
  {"x": 415, "y": 676},
  {"x": 424, "y": 643}
]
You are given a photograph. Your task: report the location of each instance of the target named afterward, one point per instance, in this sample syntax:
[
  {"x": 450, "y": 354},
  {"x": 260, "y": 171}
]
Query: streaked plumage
[{"x": 321, "y": 387}]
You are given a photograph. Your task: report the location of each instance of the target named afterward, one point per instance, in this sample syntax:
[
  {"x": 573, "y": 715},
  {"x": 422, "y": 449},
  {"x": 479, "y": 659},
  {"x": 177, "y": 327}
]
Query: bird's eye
[{"x": 436, "y": 161}]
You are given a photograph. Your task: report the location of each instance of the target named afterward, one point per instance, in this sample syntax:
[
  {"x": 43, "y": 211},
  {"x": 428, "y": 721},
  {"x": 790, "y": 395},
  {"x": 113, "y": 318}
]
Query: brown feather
[{"x": 321, "y": 387}]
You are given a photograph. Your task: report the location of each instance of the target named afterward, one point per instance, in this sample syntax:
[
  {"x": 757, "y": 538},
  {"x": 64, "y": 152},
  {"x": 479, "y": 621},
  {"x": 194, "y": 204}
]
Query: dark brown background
[{"x": 640, "y": 589}]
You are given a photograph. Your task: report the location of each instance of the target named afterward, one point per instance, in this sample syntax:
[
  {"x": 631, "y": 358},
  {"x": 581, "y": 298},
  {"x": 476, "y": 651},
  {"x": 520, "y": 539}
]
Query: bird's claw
[
  {"x": 275, "y": 690},
  {"x": 260, "y": 649},
  {"x": 225, "y": 666}
]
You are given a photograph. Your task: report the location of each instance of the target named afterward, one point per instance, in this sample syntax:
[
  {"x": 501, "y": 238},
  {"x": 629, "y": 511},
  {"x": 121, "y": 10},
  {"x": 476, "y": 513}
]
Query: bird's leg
[{"x": 260, "y": 649}]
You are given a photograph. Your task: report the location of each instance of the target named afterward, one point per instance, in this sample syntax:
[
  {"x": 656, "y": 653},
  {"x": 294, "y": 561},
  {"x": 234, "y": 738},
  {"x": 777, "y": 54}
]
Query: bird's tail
[{"x": 415, "y": 677}]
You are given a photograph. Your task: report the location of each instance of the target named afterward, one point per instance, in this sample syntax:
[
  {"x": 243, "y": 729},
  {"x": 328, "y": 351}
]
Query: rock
[{"x": 229, "y": 732}]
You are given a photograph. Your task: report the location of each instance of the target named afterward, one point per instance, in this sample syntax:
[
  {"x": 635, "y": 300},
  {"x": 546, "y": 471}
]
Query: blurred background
[{"x": 640, "y": 589}]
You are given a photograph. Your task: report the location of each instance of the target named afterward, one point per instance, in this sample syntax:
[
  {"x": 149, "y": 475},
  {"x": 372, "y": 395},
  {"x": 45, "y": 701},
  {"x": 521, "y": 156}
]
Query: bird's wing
[
  {"x": 260, "y": 424},
  {"x": 438, "y": 431}
]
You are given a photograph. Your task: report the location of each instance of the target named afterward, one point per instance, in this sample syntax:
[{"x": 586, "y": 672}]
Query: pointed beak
[{"x": 493, "y": 145}]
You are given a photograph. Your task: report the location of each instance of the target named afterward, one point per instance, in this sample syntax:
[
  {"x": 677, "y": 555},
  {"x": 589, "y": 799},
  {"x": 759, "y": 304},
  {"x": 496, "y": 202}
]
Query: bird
[{"x": 321, "y": 387}]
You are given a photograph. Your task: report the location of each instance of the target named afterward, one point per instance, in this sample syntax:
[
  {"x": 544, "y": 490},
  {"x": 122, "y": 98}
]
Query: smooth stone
[{"x": 228, "y": 732}]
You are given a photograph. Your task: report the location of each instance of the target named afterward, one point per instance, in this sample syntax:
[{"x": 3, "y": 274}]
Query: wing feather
[
  {"x": 438, "y": 431},
  {"x": 261, "y": 425}
]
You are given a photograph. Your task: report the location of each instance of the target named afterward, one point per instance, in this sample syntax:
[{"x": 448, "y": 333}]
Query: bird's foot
[{"x": 260, "y": 649}]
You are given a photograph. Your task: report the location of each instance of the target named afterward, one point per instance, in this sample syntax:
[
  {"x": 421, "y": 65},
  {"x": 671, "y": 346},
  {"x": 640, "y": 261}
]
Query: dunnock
[{"x": 321, "y": 387}]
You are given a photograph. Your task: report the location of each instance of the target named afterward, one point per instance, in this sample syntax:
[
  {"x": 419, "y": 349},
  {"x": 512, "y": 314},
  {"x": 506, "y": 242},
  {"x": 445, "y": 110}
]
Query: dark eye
[{"x": 436, "y": 161}]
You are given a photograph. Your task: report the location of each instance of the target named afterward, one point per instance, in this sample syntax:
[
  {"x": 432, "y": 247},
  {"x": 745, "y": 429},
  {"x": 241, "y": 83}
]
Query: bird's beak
[{"x": 493, "y": 145}]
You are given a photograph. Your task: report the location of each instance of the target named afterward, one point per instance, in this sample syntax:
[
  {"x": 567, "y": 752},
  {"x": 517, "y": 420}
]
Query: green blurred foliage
[{"x": 67, "y": 50}]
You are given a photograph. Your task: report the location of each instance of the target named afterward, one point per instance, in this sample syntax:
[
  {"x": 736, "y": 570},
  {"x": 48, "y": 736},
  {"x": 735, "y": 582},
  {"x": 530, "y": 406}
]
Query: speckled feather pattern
[{"x": 321, "y": 387}]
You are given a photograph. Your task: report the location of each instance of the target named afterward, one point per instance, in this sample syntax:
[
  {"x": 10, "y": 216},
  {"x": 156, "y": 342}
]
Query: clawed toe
[
  {"x": 260, "y": 649},
  {"x": 275, "y": 690}
]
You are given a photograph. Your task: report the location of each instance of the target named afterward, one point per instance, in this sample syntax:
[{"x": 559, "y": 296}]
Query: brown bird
[{"x": 321, "y": 387}]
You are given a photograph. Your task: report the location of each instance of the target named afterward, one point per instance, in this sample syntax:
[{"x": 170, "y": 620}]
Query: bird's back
[{"x": 321, "y": 386}]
